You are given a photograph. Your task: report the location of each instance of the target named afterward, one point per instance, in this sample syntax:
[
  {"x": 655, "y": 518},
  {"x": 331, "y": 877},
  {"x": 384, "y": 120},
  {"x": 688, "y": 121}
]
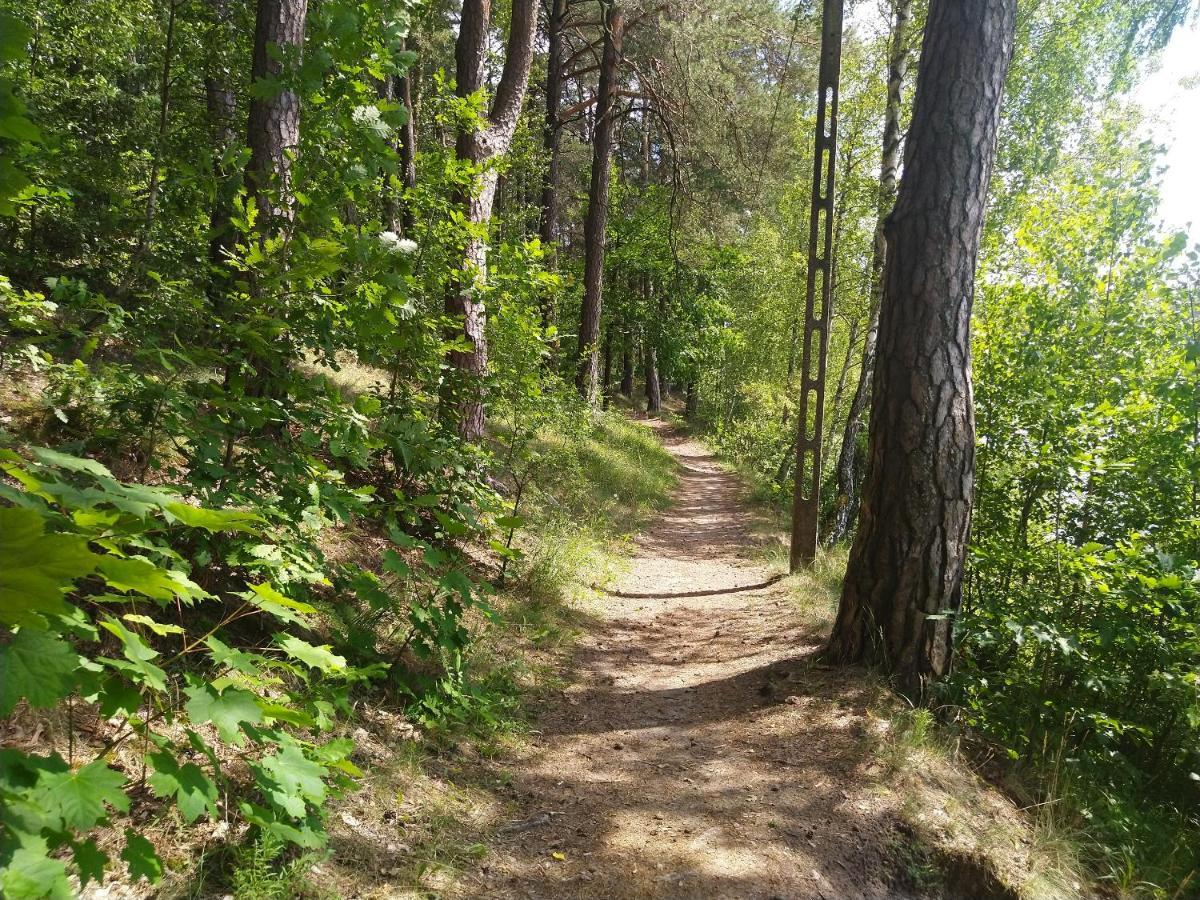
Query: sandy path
[{"x": 700, "y": 752}]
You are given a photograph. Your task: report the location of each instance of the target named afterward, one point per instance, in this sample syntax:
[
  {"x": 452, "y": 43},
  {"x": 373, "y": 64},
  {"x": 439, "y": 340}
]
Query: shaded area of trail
[{"x": 700, "y": 751}]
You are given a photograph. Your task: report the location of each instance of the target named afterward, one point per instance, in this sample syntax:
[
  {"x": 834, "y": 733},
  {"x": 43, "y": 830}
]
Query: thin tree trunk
[
  {"x": 142, "y": 250},
  {"x": 903, "y": 584},
  {"x": 606, "y": 376},
  {"x": 840, "y": 391},
  {"x": 627, "y": 364},
  {"x": 463, "y": 400},
  {"x": 221, "y": 104},
  {"x": 847, "y": 476},
  {"x": 650, "y": 351},
  {"x": 596, "y": 223},
  {"x": 548, "y": 223},
  {"x": 397, "y": 207}
]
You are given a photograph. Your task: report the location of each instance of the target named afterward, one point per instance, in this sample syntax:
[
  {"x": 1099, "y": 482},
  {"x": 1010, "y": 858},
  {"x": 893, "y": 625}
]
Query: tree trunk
[
  {"x": 840, "y": 391},
  {"x": 606, "y": 377},
  {"x": 222, "y": 110},
  {"x": 650, "y": 364},
  {"x": 846, "y": 508},
  {"x": 627, "y": 364},
  {"x": 462, "y": 401},
  {"x": 692, "y": 403},
  {"x": 548, "y": 223},
  {"x": 273, "y": 131},
  {"x": 597, "y": 215},
  {"x": 904, "y": 580},
  {"x": 397, "y": 210}
]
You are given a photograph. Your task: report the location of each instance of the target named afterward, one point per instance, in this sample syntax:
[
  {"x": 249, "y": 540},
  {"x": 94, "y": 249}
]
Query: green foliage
[
  {"x": 133, "y": 665},
  {"x": 1079, "y": 635},
  {"x": 233, "y": 507},
  {"x": 264, "y": 871}
]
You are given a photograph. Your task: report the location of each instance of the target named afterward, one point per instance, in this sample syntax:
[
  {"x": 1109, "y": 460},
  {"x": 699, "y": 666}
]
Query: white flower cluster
[{"x": 393, "y": 243}]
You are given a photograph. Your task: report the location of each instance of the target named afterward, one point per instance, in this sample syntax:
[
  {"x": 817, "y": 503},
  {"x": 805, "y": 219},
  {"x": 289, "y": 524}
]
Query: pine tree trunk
[
  {"x": 904, "y": 580},
  {"x": 596, "y": 222},
  {"x": 551, "y": 140},
  {"x": 463, "y": 400},
  {"x": 847, "y": 473},
  {"x": 273, "y": 132}
]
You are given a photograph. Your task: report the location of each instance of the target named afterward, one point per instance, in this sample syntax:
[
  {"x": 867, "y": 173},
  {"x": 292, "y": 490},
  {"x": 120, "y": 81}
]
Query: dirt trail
[{"x": 700, "y": 752}]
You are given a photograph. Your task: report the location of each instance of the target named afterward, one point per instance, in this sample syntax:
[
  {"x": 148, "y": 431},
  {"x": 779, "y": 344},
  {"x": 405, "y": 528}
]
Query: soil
[{"x": 702, "y": 750}]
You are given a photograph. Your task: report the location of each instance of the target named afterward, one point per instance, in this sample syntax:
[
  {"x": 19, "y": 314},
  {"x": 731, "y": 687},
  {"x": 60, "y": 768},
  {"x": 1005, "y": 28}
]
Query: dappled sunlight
[{"x": 701, "y": 750}]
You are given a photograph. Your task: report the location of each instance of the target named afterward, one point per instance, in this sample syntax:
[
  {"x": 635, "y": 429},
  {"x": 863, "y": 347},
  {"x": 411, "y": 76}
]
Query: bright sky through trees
[{"x": 1171, "y": 94}]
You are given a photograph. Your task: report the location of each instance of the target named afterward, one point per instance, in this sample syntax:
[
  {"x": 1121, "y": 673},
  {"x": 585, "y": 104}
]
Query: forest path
[{"x": 699, "y": 751}]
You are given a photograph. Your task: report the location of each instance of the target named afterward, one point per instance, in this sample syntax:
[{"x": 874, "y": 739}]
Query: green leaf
[
  {"x": 213, "y": 520},
  {"x": 19, "y": 128},
  {"x": 138, "y": 654},
  {"x": 90, "y": 861},
  {"x": 224, "y": 655},
  {"x": 157, "y": 627},
  {"x": 36, "y": 568},
  {"x": 271, "y": 601},
  {"x": 118, "y": 697},
  {"x": 140, "y": 856},
  {"x": 194, "y": 792},
  {"x": 292, "y": 778},
  {"x": 318, "y": 657},
  {"x": 95, "y": 518},
  {"x": 307, "y": 835},
  {"x": 14, "y": 36},
  {"x": 141, "y": 576},
  {"x": 226, "y": 710},
  {"x": 396, "y": 564},
  {"x": 78, "y": 797},
  {"x": 35, "y": 666},
  {"x": 279, "y": 713},
  {"x": 30, "y": 873},
  {"x": 57, "y": 460}
]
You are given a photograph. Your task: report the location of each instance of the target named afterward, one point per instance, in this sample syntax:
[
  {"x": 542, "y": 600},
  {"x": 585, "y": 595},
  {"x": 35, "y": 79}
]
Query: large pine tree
[{"x": 903, "y": 585}]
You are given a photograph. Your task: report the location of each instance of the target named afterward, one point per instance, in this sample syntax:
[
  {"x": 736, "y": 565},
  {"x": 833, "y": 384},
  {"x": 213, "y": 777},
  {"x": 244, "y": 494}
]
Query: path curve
[{"x": 700, "y": 752}]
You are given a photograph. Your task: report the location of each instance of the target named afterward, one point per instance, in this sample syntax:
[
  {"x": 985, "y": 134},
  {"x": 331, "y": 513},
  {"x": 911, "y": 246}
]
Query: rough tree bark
[
  {"x": 273, "y": 131},
  {"x": 904, "y": 579},
  {"x": 846, "y": 508},
  {"x": 462, "y": 404},
  {"x": 596, "y": 222},
  {"x": 551, "y": 140}
]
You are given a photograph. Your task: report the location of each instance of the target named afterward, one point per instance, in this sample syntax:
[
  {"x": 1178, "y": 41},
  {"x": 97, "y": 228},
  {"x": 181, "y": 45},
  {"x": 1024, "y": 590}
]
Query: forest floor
[{"x": 699, "y": 749}]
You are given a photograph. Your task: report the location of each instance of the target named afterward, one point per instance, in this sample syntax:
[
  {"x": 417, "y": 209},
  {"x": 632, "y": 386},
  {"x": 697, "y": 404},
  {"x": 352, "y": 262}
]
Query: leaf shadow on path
[{"x": 700, "y": 751}]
